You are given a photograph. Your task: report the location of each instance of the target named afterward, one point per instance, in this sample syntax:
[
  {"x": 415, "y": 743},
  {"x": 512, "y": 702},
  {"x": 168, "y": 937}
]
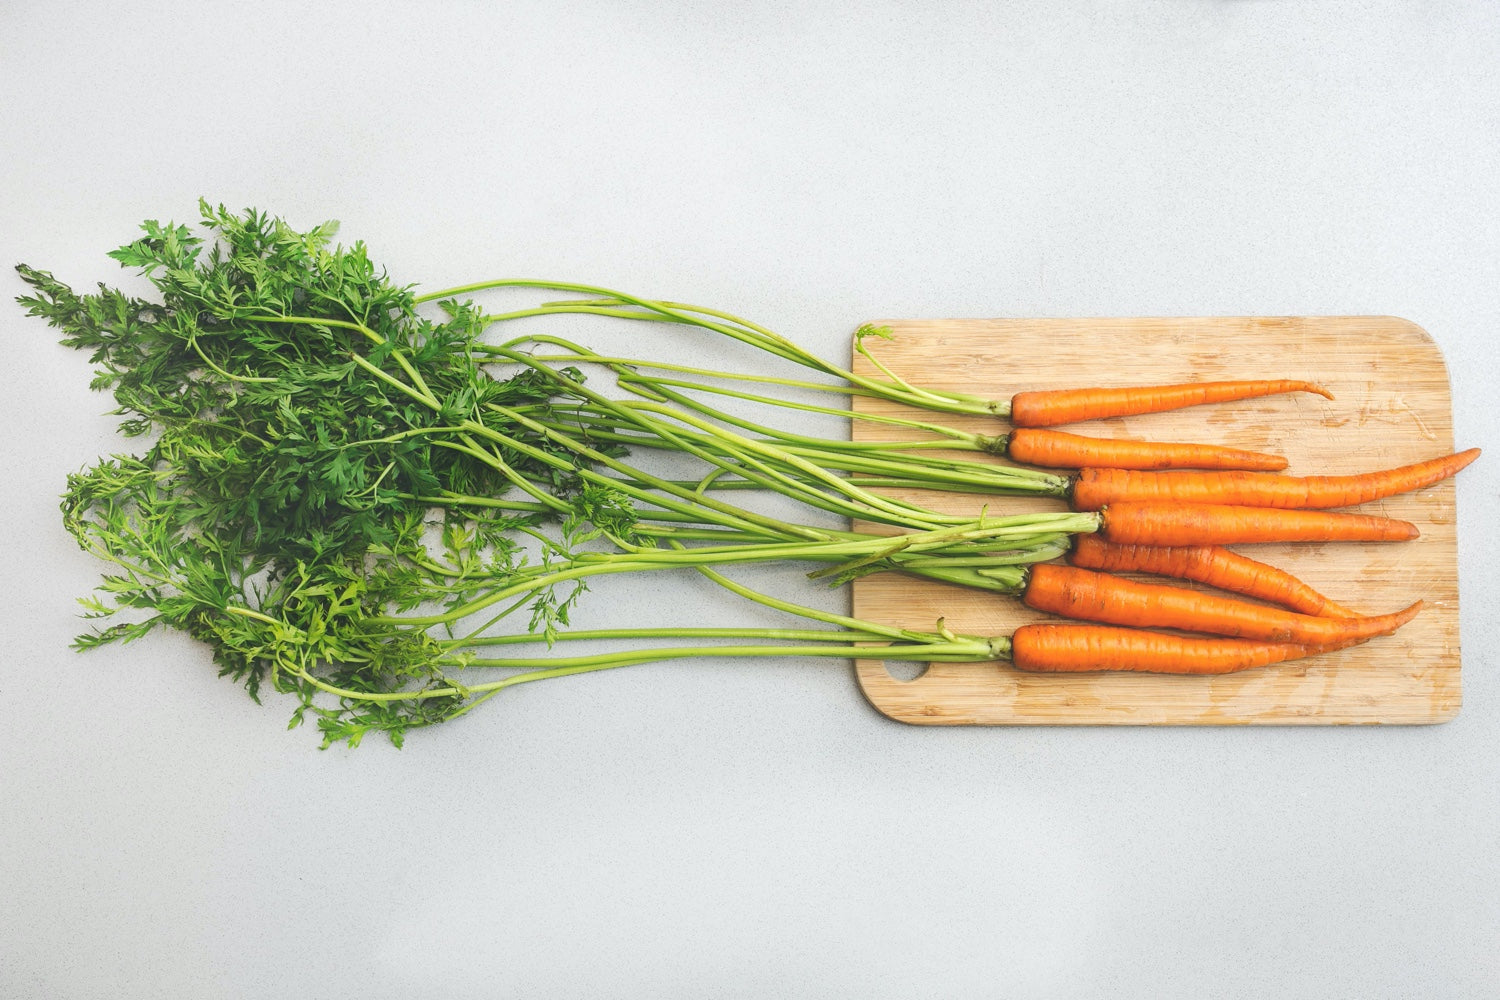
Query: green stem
[
  {"x": 657, "y": 491},
  {"x": 866, "y": 457},
  {"x": 863, "y": 549},
  {"x": 744, "y": 332},
  {"x": 423, "y": 393},
  {"x": 630, "y": 368},
  {"x": 748, "y": 456},
  {"x": 580, "y": 635}
]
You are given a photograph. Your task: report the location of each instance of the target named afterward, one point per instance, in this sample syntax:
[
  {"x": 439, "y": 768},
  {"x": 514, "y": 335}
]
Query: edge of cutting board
[{"x": 1392, "y": 406}]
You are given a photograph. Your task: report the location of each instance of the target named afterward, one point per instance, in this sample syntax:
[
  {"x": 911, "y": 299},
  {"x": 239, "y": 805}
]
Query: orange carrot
[
  {"x": 1221, "y": 524},
  {"x": 1213, "y": 565},
  {"x": 1048, "y": 408},
  {"x": 1096, "y": 487},
  {"x": 1086, "y": 595},
  {"x": 1059, "y": 450},
  {"x": 1066, "y": 648}
]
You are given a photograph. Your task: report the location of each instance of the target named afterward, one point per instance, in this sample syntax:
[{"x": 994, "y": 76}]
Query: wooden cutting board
[{"x": 1391, "y": 407}]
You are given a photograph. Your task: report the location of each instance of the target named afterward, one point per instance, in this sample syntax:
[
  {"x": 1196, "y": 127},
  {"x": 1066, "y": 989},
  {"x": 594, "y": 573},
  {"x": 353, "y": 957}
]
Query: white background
[{"x": 735, "y": 829}]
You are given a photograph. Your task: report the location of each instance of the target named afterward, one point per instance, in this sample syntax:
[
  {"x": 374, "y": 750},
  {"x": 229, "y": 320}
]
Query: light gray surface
[{"x": 732, "y": 829}]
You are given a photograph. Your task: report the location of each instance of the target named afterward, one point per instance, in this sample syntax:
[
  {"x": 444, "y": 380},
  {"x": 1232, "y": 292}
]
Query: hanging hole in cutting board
[{"x": 905, "y": 671}]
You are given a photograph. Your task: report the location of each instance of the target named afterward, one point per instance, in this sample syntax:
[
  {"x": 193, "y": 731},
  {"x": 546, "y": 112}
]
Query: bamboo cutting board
[{"x": 1391, "y": 407}]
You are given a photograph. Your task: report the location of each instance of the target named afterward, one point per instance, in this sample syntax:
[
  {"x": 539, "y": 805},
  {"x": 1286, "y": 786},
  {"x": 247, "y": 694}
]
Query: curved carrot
[
  {"x": 1060, "y": 450},
  {"x": 1086, "y": 595},
  {"x": 1212, "y": 565},
  {"x": 1065, "y": 648},
  {"x": 1048, "y": 408},
  {"x": 1133, "y": 523},
  {"x": 1094, "y": 488}
]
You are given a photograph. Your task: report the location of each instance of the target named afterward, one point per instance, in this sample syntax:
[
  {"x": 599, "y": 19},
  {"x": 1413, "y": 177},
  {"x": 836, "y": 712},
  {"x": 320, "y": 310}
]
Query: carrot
[
  {"x": 1213, "y": 565},
  {"x": 1086, "y": 595},
  {"x": 1067, "y": 648},
  {"x": 1059, "y": 450},
  {"x": 1048, "y": 408},
  {"x": 1132, "y": 523},
  {"x": 1093, "y": 488}
]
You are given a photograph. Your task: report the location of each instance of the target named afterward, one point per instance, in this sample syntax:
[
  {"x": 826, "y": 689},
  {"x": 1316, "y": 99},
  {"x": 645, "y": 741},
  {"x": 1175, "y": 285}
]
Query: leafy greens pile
[{"x": 346, "y": 500}]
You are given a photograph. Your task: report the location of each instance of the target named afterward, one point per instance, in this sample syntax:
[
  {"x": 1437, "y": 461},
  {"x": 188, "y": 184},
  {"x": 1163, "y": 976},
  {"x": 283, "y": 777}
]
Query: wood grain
[{"x": 1391, "y": 406}]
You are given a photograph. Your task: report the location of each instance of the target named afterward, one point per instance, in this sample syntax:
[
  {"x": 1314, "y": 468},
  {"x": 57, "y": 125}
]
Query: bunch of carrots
[
  {"x": 311, "y": 424},
  {"x": 1156, "y": 522},
  {"x": 1165, "y": 509}
]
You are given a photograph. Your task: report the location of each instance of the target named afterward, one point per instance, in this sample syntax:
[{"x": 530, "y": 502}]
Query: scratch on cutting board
[{"x": 1395, "y": 411}]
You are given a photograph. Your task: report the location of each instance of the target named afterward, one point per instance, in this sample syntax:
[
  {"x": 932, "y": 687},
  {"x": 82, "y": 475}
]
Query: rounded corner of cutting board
[
  {"x": 881, "y": 692},
  {"x": 1408, "y": 326},
  {"x": 1448, "y": 712},
  {"x": 1413, "y": 331}
]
